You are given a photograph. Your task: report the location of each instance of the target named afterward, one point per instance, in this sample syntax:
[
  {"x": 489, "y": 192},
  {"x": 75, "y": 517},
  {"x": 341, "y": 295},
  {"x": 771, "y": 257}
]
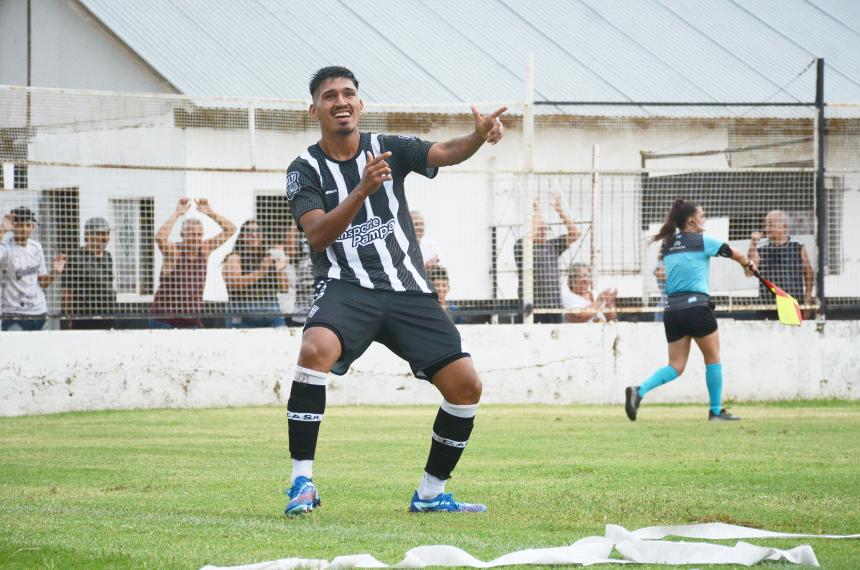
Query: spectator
[
  {"x": 429, "y": 248},
  {"x": 579, "y": 296},
  {"x": 782, "y": 260},
  {"x": 22, "y": 264},
  {"x": 178, "y": 301},
  {"x": 546, "y": 251},
  {"x": 254, "y": 277},
  {"x": 87, "y": 284},
  {"x": 439, "y": 276}
]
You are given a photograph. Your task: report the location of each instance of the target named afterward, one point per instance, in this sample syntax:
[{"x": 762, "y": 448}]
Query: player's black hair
[
  {"x": 681, "y": 211},
  {"x": 327, "y": 73}
]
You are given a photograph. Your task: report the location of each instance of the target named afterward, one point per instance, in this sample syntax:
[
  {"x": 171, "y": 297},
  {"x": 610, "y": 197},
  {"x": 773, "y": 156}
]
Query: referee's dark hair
[
  {"x": 679, "y": 213},
  {"x": 329, "y": 72}
]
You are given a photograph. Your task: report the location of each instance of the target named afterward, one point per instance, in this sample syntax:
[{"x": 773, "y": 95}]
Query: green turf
[{"x": 183, "y": 488}]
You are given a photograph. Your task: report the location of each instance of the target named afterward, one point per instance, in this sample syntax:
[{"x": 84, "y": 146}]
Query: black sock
[
  {"x": 305, "y": 410},
  {"x": 450, "y": 435}
]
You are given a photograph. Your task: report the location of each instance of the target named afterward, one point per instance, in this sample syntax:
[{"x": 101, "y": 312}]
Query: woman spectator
[
  {"x": 254, "y": 277},
  {"x": 580, "y": 297}
]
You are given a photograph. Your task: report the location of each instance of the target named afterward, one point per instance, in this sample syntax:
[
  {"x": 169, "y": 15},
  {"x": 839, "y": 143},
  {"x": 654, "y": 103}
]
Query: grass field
[{"x": 183, "y": 488}]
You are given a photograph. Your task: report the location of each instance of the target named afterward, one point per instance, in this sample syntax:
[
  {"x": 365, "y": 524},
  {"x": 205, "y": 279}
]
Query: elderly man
[
  {"x": 22, "y": 263},
  {"x": 430, "y": 251},
  {"x": 546, "y": 251},
  {"x": 88, "y": 296},
  {"x": 782, "y": 260},
  {"x": 178, "y": 301}
]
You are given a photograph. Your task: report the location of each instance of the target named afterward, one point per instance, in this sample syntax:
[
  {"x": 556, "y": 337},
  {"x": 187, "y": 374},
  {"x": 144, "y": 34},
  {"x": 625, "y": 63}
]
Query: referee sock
[
  {"x": 660, "y": 377},
  {"x": 305, "y": 411},
  {"x": 451, "y": 432},
  {"x": 714, "y": 380}
]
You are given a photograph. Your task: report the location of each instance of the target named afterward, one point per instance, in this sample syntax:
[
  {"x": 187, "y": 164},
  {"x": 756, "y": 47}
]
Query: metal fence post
[{"x": 820, "y": 189}]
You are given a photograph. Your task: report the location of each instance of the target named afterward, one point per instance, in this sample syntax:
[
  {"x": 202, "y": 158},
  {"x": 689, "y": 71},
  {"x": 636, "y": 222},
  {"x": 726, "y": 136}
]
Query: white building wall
[
  {"x": 94, "y": 370},
  {"x": 70, "y": 49}
]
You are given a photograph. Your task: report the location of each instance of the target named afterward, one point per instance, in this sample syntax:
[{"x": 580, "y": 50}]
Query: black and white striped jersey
[{"x": 379, "y": 249}]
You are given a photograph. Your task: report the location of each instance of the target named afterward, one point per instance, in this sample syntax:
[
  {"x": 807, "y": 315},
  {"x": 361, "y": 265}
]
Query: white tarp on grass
[{"x": 643, "y": 546}]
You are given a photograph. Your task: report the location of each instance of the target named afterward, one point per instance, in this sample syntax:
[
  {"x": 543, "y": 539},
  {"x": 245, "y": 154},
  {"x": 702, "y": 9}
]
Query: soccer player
[
  {"x": 686, "y": 253},
  {"x": 346, "y": 194}
]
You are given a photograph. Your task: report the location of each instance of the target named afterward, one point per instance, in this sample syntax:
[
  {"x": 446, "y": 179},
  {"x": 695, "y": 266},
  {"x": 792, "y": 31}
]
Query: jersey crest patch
[{"x": 292, "y": 185}]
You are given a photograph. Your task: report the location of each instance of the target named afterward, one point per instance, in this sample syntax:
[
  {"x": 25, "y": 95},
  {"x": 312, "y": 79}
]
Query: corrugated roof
[{"x": 413, "y": 51}]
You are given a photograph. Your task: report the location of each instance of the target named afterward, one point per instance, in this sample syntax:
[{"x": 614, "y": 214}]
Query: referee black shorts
[
  {"x": 696, "y": 322},
  {"x": 412, "y": 325}
]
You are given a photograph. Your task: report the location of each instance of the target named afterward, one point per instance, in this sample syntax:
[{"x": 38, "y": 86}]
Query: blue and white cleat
[
  {"x": 303, "y": 497},
  {"x": 443, "y": 503}
]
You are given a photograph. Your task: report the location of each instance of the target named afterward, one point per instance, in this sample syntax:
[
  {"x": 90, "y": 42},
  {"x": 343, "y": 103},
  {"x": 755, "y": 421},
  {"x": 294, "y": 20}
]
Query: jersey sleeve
[
  {"x": 715, "y": 247},
  {"x": 303, "y": 190},
  {"x": 409, "y": 154}
]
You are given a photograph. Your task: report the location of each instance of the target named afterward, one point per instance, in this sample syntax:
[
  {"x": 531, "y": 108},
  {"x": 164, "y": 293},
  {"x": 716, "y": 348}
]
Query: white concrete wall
[{"x": 49, "y": 372}]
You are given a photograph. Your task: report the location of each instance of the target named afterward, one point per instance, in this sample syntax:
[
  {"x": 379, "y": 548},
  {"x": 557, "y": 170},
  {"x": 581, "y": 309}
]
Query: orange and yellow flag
[{"x": 787, "y": 307}]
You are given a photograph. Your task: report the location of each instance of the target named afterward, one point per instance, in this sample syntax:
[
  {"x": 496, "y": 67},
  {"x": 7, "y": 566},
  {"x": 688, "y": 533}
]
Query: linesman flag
[{"x": 787, "y": 307}]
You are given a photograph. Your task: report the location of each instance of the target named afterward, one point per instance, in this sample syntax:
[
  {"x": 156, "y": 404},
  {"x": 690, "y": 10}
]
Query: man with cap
[
  {"x": 24, "y": 273},
  {"x": 88, "y": 295}
]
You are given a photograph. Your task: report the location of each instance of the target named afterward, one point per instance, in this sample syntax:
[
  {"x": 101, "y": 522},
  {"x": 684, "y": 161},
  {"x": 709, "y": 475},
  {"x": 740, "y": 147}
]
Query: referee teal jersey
[{"x": 687, "y": 258}]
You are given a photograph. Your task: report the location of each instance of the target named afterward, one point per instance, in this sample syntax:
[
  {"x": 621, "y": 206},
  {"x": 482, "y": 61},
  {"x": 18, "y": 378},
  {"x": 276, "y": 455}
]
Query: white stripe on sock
[
  {"x": 449, "y": 442},
  {"x": 304, "y": 417},
  {"x": 308, "y": 376},
  {"x": 460, "y": 410}
]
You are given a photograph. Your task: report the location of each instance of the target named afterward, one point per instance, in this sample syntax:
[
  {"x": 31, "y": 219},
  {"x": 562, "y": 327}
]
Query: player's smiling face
[{"x": 337, "y": 106}]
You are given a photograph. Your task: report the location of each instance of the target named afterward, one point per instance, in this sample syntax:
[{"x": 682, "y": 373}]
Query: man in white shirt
[
  {"x": 429, "y": 248},
  {"x": 24, "y": 273},
  {"x": 579, "y": 296}
]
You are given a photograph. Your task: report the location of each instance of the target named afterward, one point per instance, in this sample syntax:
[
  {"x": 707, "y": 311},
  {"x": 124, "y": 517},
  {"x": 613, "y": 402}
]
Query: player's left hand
[{"x": 489, "y": 127}]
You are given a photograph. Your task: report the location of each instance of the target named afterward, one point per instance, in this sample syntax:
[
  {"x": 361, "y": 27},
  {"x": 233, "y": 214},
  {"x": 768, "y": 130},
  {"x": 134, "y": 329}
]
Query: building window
[{"x": 133, "y": 239}]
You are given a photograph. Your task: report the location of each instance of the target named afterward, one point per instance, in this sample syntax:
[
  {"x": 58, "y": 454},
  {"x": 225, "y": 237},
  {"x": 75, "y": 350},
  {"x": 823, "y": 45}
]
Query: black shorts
[
  {"x": 696, "y": 322},
  {"x": 412, "y": 325}
]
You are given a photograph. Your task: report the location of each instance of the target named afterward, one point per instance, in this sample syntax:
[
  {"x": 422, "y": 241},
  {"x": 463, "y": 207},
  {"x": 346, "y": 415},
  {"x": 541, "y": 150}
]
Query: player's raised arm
[
  {"x": 488, "y": 128},
  {"x": 322, "y": 228}
]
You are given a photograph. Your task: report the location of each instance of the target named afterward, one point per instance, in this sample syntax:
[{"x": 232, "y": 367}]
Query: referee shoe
[
  {"x": 631, "y": 401},
  {"x": 723, "y": 416},
  {"x": 303, "y": 497}
]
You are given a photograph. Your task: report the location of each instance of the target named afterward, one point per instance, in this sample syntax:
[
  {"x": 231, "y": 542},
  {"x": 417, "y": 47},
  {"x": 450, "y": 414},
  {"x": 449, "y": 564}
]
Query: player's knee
[
  {"x": 472, "y": 389},
  {"x": 315, "y": 355}
]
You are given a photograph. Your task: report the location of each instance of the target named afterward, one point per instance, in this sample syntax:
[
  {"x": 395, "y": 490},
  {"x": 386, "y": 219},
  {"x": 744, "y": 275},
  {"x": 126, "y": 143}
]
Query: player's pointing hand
[
  {"x": 376, "y": 171},
  {"x": 489, "y": 127}
]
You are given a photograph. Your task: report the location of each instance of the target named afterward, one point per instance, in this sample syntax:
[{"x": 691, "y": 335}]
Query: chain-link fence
[{"x": 155, "y": 210}]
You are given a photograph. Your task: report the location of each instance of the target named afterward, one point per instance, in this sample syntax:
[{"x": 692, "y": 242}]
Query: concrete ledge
[{"x": 53, "y": 371}]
